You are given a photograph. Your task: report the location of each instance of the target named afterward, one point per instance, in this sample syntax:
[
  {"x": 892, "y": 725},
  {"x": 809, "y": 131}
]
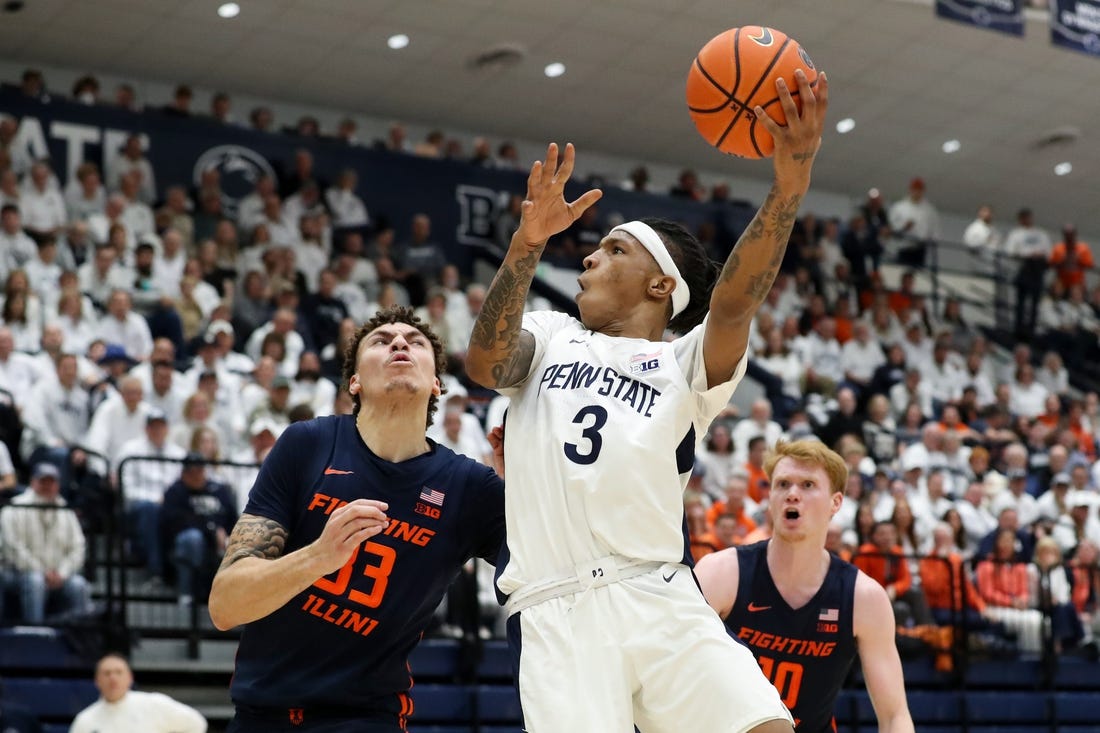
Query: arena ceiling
[{"x": 909, "y": 80}]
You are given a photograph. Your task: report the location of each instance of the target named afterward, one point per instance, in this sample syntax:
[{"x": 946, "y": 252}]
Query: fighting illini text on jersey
[
  {"x": 804, "y": 652},
  {"x": 350, "y": 633}
]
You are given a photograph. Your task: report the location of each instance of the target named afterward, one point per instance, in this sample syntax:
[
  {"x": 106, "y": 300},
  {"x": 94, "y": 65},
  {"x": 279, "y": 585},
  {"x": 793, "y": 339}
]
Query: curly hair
[
  {"x": 695, "y": 265},
  {"x": 394, "y": 314}
]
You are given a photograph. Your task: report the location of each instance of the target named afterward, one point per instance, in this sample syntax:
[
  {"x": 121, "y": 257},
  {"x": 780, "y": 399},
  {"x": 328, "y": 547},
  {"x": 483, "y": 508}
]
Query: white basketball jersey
[{"x": 600, "y": 442}]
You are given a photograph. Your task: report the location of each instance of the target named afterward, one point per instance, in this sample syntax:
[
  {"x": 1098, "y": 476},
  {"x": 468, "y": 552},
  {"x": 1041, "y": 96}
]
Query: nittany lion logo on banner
[{"x": 239, "y": 168}]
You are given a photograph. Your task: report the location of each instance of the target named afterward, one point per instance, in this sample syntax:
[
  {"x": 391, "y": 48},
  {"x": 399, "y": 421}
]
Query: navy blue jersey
[
  {"x": 805, "y": 652},
  {"x": 344, "y": 641}
]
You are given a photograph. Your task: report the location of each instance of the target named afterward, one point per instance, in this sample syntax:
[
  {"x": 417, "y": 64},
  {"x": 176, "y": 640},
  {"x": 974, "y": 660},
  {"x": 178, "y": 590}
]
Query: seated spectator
[
  {"x": 146, "y": 466},
  {"x": 85, "y": 195},
  {"x": 1051, "y": 590},
  {"x": 284, "y": 323},
  {"x": 42, "y": 205},
  {"x": 1027, "y": 396},
  {"x": 196, "y": 519},
  {"x": 44, "y": 545},
  {"x": 1084, "y": 569},
  {"x": 310, "y": 388},
  {"x": 844, "y": 420},
  {"x": 1004, "y": 584},
  {"x": 1081, "y": 524},
  {"x": 150, "y": 712},
  {"x": 348, "y": 210},
  {"x": 452, "y": 437},
  {"x": 736, "y": 505},
  {"x": 951, "y": 595},
  {"x": 56, "y": 417},
  {"x": 121, "y": 325},
  {"x": 860, "y": 357},
  {"x": 1017, "y": 497},
  {"x": 758, "y": 423},
  {"x": 758, "y": 483},
  {"x": 717, "y": 459},
  {"x": 16, "y": 248},
  {"x": 1052, "y": 374},
  {"x": 25, "y": 332},
  {"x": 882, "y": 559},
  {"x": 727, "y": 531},
  {"x": 880, "y": 431},
  {"x": 262, "y": 434}
]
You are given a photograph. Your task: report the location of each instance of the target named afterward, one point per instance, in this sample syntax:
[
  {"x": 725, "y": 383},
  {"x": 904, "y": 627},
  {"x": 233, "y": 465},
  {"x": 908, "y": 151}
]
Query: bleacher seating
[{"x": 51, "y": 697}]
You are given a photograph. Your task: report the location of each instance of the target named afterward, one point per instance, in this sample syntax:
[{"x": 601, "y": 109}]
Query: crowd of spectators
[{"x": 141, "y": 319}]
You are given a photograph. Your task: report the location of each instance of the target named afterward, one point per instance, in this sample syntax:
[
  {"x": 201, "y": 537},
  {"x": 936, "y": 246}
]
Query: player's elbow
[
  {"x": 220, "y": 606},
  {"x": 478, "y": 370}
]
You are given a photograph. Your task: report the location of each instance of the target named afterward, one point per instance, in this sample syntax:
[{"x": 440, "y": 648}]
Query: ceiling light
[
  {"x": 846, "y": 125},
  {"x": 229, "y": 10},
  {"x": 398, "y": 41},
  {"x": 555, "y": 69},
  {"x": 951, "y": 146},
  {"x": 1063, "y": 169}
]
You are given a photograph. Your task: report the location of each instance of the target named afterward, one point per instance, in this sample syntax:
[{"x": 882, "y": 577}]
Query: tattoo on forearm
[
  {"x": 498, "y": 326},
  {"x": 255, "y": 537},
  {"x": 804, "y": 158},
  {"x": 770, "y": 228}
]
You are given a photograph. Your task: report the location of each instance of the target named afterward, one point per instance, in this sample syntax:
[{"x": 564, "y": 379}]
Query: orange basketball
[{"x": 732, "y": 74}]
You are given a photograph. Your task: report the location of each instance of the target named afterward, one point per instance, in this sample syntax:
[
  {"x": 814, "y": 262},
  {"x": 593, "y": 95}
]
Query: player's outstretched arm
[
  {"x": 500, "y": 352},
  {"x": 256, "y": 579},
  {"x": 873, "y": 618},
  {"x": 754, "y": 262},
  {"x": 718, "y": 575}
]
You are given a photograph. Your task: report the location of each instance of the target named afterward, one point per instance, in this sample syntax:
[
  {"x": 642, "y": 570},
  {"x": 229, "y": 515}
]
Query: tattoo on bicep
[
  {"x": 730, "y": 268},
  {"x": 255, "y": 537},
  {"x": 510, "y": 371},
  {"x": 759, "y": 285}
]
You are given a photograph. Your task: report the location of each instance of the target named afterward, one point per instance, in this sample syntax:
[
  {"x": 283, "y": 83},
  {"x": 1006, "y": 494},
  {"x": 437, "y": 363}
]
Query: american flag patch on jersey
[
  {"x": 829, "y": 614},
  {"x": 640, "y": 363},
  {"x": 431, "y": 496}
]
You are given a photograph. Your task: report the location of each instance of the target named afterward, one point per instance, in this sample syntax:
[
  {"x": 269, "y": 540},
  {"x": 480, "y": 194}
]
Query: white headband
[{"x": 649, "y": 239}]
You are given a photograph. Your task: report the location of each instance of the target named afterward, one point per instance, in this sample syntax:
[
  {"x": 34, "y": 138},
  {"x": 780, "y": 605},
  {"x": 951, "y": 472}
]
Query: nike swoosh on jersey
[
  {"x": 330, "y": 471},
  {"x": 753, "y": 608},
  {"x": 668, "y": 578}
]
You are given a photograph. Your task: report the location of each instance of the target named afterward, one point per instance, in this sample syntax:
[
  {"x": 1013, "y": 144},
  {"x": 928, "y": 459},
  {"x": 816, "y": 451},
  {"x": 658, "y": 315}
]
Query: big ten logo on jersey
[
  {"x": 477, "y": 213},
  {"x": 428, "y": 511},
  {"x": 642, "y": 363}
]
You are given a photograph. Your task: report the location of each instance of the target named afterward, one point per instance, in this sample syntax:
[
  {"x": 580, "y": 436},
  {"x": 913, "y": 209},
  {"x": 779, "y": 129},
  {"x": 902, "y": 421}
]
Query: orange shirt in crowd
[
  {"x": 718, "y": 508},
  {"x": 1071, "y": 276},
  {"x": 944, "y": 580},
  {"x": 899, "y": 302},
  {"x": 888, "y": 570},
  {"x": 1003, "y": 583},
  {"x": 843, "y": 330},
  {"x": 758, "y": 482},
  {"x": 703, "y": 545}
]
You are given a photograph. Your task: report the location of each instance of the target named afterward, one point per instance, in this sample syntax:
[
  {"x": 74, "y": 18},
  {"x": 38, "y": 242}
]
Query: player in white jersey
[{"x": 607, "y": 625}]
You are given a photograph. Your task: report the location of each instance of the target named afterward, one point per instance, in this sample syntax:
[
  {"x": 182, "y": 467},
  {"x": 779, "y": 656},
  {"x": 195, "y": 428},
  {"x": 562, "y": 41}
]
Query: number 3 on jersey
[{"x": 590, "y": 433}]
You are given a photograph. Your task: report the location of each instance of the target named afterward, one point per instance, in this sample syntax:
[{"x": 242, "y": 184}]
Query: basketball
[{"x": 735, "y": 72}]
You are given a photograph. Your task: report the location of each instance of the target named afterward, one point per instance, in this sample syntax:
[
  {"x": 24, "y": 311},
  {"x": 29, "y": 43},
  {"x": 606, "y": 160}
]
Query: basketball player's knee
[{"x": 773, "y": 726}]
